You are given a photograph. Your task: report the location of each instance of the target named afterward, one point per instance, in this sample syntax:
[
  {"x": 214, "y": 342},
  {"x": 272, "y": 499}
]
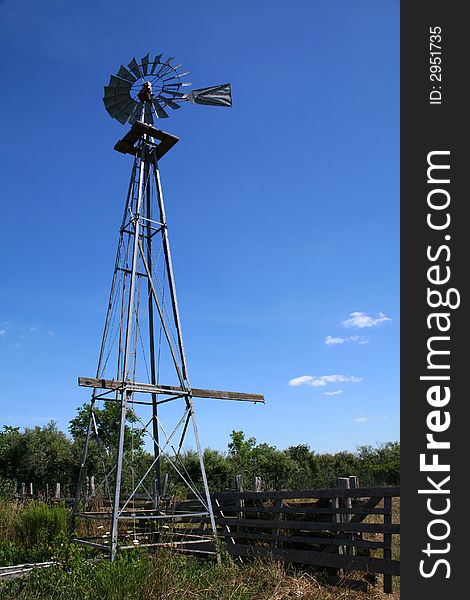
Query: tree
[
  {"x": 39, "y": 455},
  {"x": 380, "y": 465},
  {"x": 107, "y": 421},
  {"x": 305, "y": 468},
  {"x": 103, "y": 444}
]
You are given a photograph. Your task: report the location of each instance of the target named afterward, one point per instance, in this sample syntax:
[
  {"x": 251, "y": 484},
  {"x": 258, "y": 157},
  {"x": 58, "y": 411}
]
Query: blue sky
[{"x": 283, "y": 211}]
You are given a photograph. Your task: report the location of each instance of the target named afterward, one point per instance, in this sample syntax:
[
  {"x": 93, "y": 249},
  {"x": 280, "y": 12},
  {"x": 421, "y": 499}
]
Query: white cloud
[
  {"x": 368, "y": 419},
  {"x": 334, "y": 341},
  {"x": 361, "y": 319},
  {"x": 301, "y": 380},
  {"x": 359, "y": 339},
  {"x": 334, "y": 393},
  {"x": 3, "y": 331},
  {"x": 314, "y": 381}
]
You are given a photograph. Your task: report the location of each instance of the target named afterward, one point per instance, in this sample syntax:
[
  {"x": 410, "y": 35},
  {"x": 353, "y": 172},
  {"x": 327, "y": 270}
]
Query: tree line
[{"x": 46, "y": 455}]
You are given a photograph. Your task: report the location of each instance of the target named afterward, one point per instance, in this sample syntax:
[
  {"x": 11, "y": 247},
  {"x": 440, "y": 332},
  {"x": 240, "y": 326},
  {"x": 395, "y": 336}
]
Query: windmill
[{"x": 142, "y": 367}]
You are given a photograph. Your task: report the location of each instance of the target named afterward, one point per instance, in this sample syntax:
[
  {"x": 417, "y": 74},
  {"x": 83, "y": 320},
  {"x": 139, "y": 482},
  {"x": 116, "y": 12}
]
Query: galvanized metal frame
[
  {"x": 137, "y": 235},
  {"x": 140, "y": 227}
]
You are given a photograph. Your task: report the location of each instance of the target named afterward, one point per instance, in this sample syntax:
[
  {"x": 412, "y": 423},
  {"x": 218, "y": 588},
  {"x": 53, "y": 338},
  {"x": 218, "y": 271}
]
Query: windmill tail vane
[{"x": 145, "y": 91}]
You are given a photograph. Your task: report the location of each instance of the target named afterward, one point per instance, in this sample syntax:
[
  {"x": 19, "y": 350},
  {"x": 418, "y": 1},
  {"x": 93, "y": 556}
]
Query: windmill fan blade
[
  {"x": 116, "y": 97},
  {"x": 171, "y": 104},
  {"x": 175, "y": 76},
  {"x": 116, "y": 100},
  {"x": 125, "y": 74},
  {"x": 118, "y": 82},
  {"x": 120, "y": 108},
  {"x": 179, "y": 84},
  {"x": 114, "y": 91},
  {"x": 156, "y": 61},
  {"x": 161, "y": 114},
  {"x": 114, "y": 111},
  {"x": 134, "y": 67},
  {"x": 145, "y": 63},
  {"x": 218, "y": 95},
  {"x": 165, "y": 68},
  {"x": 121, "y": 117},
  {"x": 135, "y": 113},
  {"x": 125, "y": 111}
]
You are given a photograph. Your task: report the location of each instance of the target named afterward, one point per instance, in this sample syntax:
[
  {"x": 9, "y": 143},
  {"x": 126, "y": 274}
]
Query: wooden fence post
[
  {"x": 92, "y": 482},
  {"x": 165, "y": 485},
  {"x": 257, "y": 484},
  {"x": 57, "y": 490},
  {"x": 388, "y": 542},
  {"x": 353, "y": 481},
  {"x": 23, "y": 489},
  {"x": 31, "y": 489},
  {"x": 344, "y": 483},
  {"x": 240, "y": 505},
  {"x": 277, "y": 516}
]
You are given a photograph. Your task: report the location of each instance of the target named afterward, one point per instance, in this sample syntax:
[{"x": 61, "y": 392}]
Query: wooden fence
[
  {"x": 344, "y": 528},
  {"x": 326, "y": 529}
]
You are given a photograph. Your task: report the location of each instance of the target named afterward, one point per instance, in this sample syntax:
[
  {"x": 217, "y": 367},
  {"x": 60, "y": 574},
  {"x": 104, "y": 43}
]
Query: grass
[
  {"x": 30, "y": 533},
  {"x": 168, "y": 576},
  {"x": 37, "y": 532}
]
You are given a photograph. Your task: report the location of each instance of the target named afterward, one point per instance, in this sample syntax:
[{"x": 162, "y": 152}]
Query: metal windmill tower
[{"x": 142, "y": 369}]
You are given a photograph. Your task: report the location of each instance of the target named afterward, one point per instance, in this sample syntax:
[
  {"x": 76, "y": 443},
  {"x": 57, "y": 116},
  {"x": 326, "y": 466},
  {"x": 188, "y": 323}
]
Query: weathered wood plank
[
  {"x": 309, "y": 557},
  {"x": 308, "y": 510},
  {"x": 369, "y": 505},
  {"x": 315, "y": 493},
  {"x": 267, "y": 537},
  {"x": 311, "y": 525},
  {"x": 148, "y": 388}
]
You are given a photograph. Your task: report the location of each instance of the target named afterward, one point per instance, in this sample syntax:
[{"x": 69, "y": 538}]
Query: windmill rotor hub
[{"x": 146, "y": 94}]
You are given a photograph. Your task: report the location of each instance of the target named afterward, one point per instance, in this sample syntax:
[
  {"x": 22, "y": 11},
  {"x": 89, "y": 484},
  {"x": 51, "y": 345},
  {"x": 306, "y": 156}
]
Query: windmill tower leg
[
  {"x": 136, "y": 224},
  {"x": 153, "y": 359}
]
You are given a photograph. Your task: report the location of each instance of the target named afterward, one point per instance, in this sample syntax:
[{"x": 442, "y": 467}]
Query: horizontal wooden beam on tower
[{"x": 148, "y": 388}]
